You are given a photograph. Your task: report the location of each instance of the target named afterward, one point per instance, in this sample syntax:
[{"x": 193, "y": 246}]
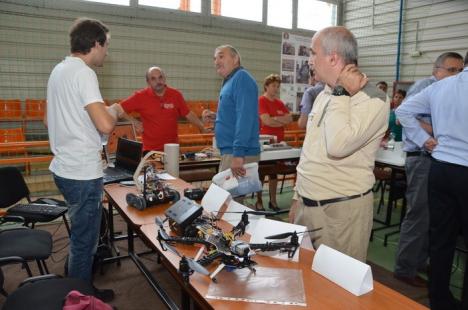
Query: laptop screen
[
  {"x": 123, "y": 130},
  {"x": 128, "y": 154}
]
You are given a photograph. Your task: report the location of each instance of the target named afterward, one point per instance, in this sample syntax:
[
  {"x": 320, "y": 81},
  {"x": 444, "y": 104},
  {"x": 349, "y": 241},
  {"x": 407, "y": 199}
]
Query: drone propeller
[
  {"x": 289, "y": 234},
  {"x": 254, "y": 212},
  {"x": 192, "y": 264}
]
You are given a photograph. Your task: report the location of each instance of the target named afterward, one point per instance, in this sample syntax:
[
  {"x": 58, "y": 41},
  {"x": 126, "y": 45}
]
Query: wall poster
[{"x": 294, "y": 69}]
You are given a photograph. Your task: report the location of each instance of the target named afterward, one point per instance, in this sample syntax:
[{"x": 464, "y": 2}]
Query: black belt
[
  {"x": 316, "y": 203},
  {"x": 417, "y": 153},
  {"x": 447, "y": 163}
]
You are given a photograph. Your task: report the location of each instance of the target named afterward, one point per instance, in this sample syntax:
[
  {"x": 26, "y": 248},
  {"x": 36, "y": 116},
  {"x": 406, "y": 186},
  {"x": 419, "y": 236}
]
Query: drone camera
[{"x": 240, "y": 248}]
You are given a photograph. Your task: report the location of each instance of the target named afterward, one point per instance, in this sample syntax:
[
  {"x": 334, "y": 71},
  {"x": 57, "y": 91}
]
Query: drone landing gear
[
  {"x": 217, "y": 270},
  {"x": 184, "y": 269}
]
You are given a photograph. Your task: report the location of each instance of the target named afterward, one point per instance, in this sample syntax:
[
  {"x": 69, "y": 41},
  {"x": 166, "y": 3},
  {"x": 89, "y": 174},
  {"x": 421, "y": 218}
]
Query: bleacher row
[{"x": 19, "y": 146}]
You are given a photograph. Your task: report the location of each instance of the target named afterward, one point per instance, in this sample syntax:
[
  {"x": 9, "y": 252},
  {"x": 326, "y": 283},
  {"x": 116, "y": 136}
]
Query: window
[
  {"x": 184, "y": 5},
  {"x": 119, "y": 2},
  {"x": 280, "y": 13},
  {"x": 243, "y": 9},
  {"x": 315, "y": 15}
]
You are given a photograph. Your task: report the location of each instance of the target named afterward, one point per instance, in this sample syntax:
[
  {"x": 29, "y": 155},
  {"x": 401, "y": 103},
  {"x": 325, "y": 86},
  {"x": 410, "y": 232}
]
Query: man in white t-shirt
[{"x": 76, "y": 119}]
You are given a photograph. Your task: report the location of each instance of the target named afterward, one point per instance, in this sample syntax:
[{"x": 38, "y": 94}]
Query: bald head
[{"x": 156, "y": 79}]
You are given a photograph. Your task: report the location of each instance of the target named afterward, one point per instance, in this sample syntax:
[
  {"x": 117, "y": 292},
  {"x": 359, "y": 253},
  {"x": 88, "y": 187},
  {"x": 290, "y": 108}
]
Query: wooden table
[{"x": 320, "y": 292}]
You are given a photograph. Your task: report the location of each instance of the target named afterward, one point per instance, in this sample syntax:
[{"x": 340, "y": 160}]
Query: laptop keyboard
[{"x": 37, "y": 209}]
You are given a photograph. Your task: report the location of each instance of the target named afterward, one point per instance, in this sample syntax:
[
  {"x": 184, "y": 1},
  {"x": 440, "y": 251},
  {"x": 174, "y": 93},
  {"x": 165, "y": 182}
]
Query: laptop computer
[
  {"x": 121, "y": 130},
  {"x": 127, "y": 158}
]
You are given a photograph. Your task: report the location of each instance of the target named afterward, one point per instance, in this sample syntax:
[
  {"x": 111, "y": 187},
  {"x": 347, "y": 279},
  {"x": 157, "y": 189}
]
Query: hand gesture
[{"x": 352, "y": 79}]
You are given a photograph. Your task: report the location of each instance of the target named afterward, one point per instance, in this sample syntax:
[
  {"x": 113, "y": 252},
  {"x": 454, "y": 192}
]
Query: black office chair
[
  {"x": 20, "y": 245},
  {"x": 13, "y": 188},
  {"x": 44, "y": 293}
]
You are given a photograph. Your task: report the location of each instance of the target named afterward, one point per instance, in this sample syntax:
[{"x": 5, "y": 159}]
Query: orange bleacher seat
[
  {"x": 213, "y": 106},
  {"x": 187, "y": 128},
  {"x": 10, "y": 109},
  {"x": 292, "y": 126},
  {"x": 35, "y": 108},
  {"x": 197, "y": 107},
  {"x": 13, "y": 135}
]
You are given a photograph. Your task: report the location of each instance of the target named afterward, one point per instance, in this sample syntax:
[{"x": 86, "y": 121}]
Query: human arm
[
  {"x": 408, "y": 112},
  {"x": 302, "y": 120},
  {"x": 246, "y": 123},
  {"x": 293, "y": 210},
  {"x": 192, "y": 118},
  {"x": 276, "y": 121},
  {"x": 426, "y": 126},
  {"x": 351, "y": 121},
  {"x": 103, "y": 118},
  {"x": 124, "y": 115}
]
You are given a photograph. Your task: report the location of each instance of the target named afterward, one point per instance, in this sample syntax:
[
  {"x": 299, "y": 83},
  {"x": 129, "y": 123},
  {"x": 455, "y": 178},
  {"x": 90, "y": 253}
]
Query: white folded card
[
  {"x": 214, "y": 198},
  {"x": 234, "y": 218},
  {"x": 266, "y": 227},
  {"x": 349, "y": 273}
]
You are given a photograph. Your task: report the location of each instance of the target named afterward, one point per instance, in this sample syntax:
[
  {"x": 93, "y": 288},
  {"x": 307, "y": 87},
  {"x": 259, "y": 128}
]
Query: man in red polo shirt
[{"x": 159, "y": 107}]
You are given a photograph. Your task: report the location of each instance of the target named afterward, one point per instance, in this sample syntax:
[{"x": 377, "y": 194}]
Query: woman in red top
[{"x": 273, "y": 117}]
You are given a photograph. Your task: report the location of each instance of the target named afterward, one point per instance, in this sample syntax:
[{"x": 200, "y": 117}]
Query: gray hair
[
  {"x": 341, "y": 41},
  {"x": 155, "y": 68},
  {"x": 444, "y": 56},
  {"x": 232, "y": 50}
]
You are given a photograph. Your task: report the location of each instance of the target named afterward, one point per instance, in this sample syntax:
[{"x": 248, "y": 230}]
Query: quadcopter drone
[
  {"x": 153, "y": 190},
  {"x": 223, "y": 246}
]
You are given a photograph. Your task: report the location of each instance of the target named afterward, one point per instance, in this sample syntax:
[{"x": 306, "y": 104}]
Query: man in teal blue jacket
[{"x": 237, "y": 124}]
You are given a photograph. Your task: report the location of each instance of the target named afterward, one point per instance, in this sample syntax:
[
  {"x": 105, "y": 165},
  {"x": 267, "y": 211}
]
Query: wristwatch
[{"x": 340, "y": 91}]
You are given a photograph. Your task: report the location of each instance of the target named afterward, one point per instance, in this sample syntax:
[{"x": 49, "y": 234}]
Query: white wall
[
  {"x": 429, "y": 26},
  {"x": 34, "y": 37}
]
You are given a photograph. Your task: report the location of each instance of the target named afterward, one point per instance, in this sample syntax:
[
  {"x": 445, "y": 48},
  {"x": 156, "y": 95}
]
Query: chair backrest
[
  {"x": 35, "y": 108},
  {"x": 12, "y": 135},
  {"x": 10, "y": 109},
  {"x": 13, "y": 188}
]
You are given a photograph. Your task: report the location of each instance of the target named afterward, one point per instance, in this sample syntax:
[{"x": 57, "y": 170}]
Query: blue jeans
[{"x": 84, "y": 199}]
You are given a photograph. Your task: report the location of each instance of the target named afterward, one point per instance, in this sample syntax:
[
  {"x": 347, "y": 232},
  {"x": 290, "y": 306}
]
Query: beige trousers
[{"x": 346, "y": 225}]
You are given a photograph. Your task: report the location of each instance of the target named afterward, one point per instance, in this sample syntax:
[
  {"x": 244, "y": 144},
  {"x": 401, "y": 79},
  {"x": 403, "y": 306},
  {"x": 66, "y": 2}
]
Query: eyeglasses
[{"x": 452, "y": 69}]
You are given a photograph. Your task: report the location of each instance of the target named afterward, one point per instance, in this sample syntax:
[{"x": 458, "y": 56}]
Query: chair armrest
[
  {"x": 12, "y": 218},
  {"x": 11, "y": 260},
  {"x": 39, "y": 278}
]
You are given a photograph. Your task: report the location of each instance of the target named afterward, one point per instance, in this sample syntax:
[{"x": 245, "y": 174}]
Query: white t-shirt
[{"x": 74, "y": 140}]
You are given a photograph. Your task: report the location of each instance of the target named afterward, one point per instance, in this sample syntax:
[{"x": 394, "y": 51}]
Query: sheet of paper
[
  {"x": 349, "y": 273},
  {"x": 234, "y": 218},
  {"x": 214, "y": 198},
  {"x": 266, "y": 227},
  {"x": 165, "y": 176}
]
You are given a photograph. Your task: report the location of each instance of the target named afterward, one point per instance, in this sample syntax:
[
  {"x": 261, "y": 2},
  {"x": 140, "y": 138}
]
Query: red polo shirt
[
  {"x": 158, "y": 114},
  {"x": 272, "y": 108}
]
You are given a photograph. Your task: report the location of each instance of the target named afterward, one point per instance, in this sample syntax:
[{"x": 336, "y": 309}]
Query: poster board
[{"x": 294, "y": 69}]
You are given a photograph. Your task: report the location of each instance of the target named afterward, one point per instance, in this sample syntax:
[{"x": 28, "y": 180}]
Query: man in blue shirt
[
  {"x": 237, "y": 124},
  {"x": 308, "y": 99},
  {"x": 446, "y": 102},
  {"x": 413, "y": 246}
]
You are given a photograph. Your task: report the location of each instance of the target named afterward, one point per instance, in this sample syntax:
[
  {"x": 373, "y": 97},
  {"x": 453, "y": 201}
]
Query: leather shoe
[
  {"x": 106, "y": 295},
  {"x": 273, "y": 207},
  {"x": 416, "y": 281}
]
